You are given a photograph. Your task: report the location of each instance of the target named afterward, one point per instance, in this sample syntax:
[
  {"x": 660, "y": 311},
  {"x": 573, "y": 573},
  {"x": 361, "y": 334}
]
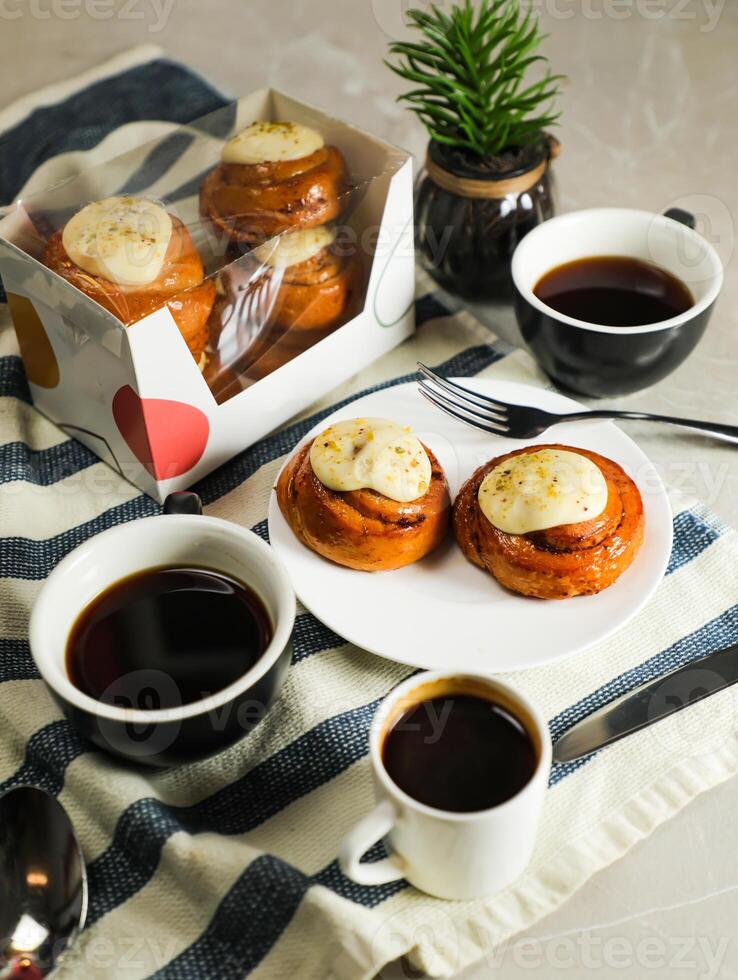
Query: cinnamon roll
[
  {"x": 315, "y": 284},
  {"x": 274, "y": 176},
  {"x": 550, "y": 521},
  {"x": 133, "y": 257},
  {"x": 366, "y": 494},
  {"x": 305, "y": 286}
]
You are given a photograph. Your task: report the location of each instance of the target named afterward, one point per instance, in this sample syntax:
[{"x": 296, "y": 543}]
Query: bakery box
[{"x": 252, "y": 286}]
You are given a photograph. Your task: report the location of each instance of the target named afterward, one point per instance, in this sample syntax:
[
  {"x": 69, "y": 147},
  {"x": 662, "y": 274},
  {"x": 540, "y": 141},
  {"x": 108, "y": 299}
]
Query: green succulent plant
[{"x": 470, "y": 71}]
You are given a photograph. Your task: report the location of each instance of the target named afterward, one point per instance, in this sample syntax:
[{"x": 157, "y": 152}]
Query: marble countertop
[{"x": 649, "y": 121}]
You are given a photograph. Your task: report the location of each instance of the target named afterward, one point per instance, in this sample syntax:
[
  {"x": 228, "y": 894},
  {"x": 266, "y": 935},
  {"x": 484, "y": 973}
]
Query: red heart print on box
[{"x": 167, "y": 437}]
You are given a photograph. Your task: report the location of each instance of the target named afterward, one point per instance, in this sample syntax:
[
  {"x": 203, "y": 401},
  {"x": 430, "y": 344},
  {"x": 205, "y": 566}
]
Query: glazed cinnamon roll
[
  {"x": 274, "y": 176},
  {"x": 133, "y": 257},
  {"x": 550, "y": 521},
  {"x": 315, "y": 284},
  {"x": 304, "y": 288},
  {"x": 366, "y": 494}
]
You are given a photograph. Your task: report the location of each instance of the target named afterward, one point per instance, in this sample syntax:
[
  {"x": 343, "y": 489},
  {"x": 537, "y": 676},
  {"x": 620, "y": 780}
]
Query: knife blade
[{"x": 648, "y": 704}]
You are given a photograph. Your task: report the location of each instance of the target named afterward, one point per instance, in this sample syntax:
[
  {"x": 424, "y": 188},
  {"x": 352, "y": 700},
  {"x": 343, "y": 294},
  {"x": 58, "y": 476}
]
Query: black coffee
[
  {"x": 201, "y": 629},
  {"x": 459, "y": 752},
  {"x": 613, "y": 290}
]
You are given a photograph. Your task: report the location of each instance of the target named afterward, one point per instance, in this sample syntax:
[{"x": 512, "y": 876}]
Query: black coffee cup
[
  {"x": 600, "y": 360},
  {"x": 179, "y": 538}
]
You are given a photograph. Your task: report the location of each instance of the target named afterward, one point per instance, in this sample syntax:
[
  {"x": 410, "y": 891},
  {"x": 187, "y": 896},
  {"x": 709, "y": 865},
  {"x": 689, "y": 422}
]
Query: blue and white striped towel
[{"x": 227, "y": 868}]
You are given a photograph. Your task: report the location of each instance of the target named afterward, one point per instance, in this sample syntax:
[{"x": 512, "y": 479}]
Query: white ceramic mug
[{"x": 445, "y": 853}]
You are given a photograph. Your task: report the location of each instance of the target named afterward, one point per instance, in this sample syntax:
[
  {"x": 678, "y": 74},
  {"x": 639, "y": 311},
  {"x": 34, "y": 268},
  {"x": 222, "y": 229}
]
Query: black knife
[{"x": 649, "y": 703}]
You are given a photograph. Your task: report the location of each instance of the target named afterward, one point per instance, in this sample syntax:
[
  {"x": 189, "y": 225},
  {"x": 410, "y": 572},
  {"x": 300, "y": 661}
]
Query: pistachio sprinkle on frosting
[
  {"x": 272, "y": 142},
  {"x": 121, "y": 239},
  {"x": 374, "y": 454},
  {"x": 542, "y": 489}
]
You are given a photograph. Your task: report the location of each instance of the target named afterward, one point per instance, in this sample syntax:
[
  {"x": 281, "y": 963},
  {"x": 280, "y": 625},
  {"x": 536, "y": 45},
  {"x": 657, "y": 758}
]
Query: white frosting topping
[
  {"x": 375, "y": 454},
  {"x": 272, "y": 142},
  {"x": 293, "y": 247},
  {"x": 122, "y": 239},
  {"x": 541, "y": 489}
]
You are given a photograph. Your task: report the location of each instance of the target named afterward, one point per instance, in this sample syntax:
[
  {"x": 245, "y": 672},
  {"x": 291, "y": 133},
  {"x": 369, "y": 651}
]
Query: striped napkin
[{"x": 226, "y": 868}]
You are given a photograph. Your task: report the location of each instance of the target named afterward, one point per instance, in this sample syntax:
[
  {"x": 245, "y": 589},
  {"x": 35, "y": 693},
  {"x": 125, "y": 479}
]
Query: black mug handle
[
  {"x": 183, "y": 502},
  {"x": 682, "y": 216}
]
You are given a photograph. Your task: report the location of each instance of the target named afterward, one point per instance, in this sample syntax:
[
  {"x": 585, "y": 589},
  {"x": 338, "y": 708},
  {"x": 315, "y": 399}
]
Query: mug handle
[
  {"x": 183, "y": 502},
  {"x": 357, "y": 842},
  {"x": 682, "y": 216}
]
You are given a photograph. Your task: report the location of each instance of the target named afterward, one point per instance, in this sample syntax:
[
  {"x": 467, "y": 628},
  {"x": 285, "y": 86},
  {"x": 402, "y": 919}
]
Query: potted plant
[{"x": 487, "y": 180}]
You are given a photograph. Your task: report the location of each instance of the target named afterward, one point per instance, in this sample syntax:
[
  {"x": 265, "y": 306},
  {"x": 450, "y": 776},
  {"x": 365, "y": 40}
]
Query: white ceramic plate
[{"x": 443, "y": 612}]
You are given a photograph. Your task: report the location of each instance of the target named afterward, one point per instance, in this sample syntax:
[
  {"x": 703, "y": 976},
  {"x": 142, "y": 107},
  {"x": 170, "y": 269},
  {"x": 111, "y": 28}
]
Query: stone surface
[{"x": 650, "y": 110}]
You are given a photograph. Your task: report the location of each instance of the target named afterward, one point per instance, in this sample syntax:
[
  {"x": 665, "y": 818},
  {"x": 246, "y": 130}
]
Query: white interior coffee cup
[
  {"x": 449, "y": 854},
  {"x": 595, "y": 358},
  {"x": 173, "y": 735}
]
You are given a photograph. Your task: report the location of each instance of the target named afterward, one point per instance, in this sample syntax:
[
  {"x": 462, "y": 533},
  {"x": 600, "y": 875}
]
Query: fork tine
[
  {"x": 483, "y": 401},
  {"x": 484, "y": 415},
  {"x": 459, "y": 398},
  {"x": 492, "y": 427}
]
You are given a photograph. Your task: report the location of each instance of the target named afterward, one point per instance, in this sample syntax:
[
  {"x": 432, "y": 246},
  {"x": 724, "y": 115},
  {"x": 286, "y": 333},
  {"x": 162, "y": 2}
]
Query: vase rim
[{"x": 437, "y": 153}]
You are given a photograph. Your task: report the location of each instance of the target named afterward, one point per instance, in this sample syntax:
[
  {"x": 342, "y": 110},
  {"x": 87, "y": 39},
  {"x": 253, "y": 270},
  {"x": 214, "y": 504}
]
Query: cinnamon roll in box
[{"x": 178, "y": 302}]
